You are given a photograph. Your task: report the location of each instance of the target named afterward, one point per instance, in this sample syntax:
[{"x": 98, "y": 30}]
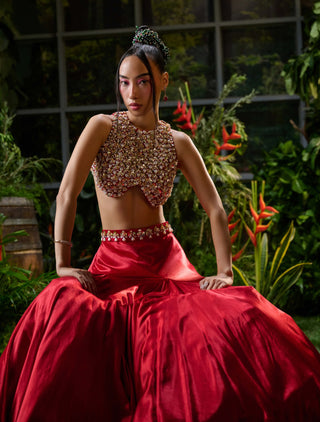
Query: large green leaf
[
  {"x": 242, "y": 275},
  {"x": 285, "y": 281},
  {"x": 281, "y": 251}
]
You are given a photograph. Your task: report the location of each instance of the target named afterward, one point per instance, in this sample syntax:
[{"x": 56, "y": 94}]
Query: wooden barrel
[{"x": 26, "y": 252}]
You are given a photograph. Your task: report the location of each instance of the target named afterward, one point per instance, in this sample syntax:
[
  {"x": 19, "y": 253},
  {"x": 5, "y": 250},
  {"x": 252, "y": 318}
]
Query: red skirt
[{"x": 152, "y": 346}]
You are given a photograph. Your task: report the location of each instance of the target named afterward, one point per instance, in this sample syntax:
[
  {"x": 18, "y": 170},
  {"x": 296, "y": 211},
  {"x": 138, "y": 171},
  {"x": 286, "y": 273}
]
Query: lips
[{"x": 135, "y": 106}]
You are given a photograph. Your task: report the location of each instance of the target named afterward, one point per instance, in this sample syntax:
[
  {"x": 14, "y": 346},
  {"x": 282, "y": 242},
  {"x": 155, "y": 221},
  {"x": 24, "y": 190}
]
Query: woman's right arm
[{"x": 76, "y": 173}]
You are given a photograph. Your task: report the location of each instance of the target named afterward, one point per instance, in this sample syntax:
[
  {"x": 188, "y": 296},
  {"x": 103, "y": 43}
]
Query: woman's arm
[
  {"x": 193, "y": 168},
  {"x": 86, "y": 149}
]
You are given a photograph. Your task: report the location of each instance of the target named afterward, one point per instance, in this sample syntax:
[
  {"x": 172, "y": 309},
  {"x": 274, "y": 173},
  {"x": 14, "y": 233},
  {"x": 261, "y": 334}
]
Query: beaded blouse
[{"x": 134, "y": 157}]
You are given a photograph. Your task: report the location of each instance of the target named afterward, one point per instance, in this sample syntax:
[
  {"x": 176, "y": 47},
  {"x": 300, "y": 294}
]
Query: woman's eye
[
  {"x": 123, "y": 83},
  {"x": 143, "y": 82}
]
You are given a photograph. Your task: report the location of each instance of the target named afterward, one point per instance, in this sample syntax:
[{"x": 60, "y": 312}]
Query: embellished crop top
[{"x": 134, "y": 157}]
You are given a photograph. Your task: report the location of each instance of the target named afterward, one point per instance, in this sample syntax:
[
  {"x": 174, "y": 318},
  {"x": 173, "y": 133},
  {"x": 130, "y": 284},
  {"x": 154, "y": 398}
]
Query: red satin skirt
[{"x": 152, "y": 346}]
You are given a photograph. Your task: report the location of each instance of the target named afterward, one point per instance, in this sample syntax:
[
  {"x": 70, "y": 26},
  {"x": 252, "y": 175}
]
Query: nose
[{"x": 133, "y": 91}]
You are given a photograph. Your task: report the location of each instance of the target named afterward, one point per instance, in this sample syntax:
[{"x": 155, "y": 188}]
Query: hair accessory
[
  {"x": 64, "y": 242},
  {"x": 145, "y": 35}
]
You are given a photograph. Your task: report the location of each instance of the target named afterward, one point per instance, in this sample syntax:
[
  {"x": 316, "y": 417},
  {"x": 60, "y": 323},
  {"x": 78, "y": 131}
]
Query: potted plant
[{"x": 20, "y": 191}]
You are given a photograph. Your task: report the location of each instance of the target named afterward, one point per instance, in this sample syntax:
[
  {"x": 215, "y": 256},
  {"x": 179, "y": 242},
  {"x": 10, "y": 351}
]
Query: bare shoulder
[
  {"x": 101, "y": 121},
  {"x": 183, "y": 144}
]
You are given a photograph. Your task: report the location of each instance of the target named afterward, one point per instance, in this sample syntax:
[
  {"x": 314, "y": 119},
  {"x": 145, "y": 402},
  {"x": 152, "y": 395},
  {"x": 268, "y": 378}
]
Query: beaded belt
[{"x": 158, "y": 230}]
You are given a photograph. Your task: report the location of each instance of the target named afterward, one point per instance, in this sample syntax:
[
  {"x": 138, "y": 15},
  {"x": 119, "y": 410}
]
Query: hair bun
[{"x": 145, "y": 35}]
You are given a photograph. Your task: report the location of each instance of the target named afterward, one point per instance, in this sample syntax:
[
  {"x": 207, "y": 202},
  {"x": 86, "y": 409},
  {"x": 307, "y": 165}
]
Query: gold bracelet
[{"x": 64, "y": 242}]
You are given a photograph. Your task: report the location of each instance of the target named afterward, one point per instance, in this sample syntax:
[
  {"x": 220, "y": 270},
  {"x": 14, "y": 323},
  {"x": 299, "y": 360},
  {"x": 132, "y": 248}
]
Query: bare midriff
[{"x": 129, "y": 211}]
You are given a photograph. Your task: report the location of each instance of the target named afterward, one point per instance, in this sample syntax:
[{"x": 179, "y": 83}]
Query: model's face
[{"x": 135, "y": 85}]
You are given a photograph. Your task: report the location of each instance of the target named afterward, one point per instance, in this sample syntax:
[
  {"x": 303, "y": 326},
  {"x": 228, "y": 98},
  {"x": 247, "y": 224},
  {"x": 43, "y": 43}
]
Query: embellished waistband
[{"x": 151, "y": 232}]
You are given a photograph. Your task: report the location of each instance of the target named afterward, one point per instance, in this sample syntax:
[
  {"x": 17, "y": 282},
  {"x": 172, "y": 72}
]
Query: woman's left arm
[{"x": 193, "y": 168}]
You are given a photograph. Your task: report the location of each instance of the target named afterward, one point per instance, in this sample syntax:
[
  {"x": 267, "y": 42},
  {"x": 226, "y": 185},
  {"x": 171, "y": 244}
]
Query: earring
[{"x": 165, "y": 97}]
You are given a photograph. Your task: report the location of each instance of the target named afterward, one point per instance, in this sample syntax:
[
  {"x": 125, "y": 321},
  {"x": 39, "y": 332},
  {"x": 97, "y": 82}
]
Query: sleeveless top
[{"x": 134, "y": 157}]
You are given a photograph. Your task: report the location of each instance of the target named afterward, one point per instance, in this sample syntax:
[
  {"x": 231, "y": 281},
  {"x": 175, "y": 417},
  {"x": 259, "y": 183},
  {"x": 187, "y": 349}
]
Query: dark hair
[{"x": 146, "y": 44}]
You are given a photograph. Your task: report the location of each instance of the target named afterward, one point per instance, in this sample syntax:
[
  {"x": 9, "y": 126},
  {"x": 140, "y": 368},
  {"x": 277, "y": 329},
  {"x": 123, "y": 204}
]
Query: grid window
[{"x": 68, "y": 52}]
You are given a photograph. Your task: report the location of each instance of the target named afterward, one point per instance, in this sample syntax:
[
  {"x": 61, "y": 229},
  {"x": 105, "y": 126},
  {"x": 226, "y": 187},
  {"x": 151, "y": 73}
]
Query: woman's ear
[{"x": 165, "y": 81}]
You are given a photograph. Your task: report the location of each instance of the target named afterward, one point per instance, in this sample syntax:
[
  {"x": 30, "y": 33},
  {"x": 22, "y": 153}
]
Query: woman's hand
[
  {"x": 83, "y": 276},
  {"x": 216, "y": 282}
]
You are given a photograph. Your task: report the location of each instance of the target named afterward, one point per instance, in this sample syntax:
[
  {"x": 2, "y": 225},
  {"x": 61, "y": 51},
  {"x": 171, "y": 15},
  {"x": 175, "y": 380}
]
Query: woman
[{"x": 142, "y": 336}]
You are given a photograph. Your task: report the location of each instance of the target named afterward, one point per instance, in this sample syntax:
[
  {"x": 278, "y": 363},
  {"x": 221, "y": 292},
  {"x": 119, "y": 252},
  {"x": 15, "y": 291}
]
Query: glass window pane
[
  {"x": 37, "y": 71},
  {"x": 173, "y": 12},
  {"x": 259, "y": 53},
  {"x": 256, "y": 9},
  {"x": 77, "y": 122},
  {"x": 91, "y": 68},
  {"x": 34, "y": 16},
  {"x": 267, "y": 124},
  {"x": 98, "y": 14},
  {"x": 39, "y": 135},
  {"x": 192, "y": 60}
]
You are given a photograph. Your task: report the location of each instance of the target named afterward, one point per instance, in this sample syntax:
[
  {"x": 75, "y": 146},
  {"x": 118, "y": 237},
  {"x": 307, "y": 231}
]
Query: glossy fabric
[{"x": 152, "y": 346}]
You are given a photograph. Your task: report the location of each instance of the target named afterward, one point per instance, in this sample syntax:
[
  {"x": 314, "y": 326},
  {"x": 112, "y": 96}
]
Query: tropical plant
[
  {"x": 17, "y": 287},
  {"x": 266, "y": 278},
  {"x": 219, "y": 136},
  {"x": 292, "y": 176},
  {"x": 18, "y": 175},
  {"x": 302, "y": 76}
]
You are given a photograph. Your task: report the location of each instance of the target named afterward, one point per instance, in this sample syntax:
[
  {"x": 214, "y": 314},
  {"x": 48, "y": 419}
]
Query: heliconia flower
[
  {"x": 234, "y": 237},
  {"x": 225, "y": 134},
  {"x": 186, "y": 126},
  {"x": 265, "y": 214},
  {"x": 238, "y": 254},
  {"x": 233, "y": 225},
  {"x": 262, "y": 228},
  {"x": 186, "y": 116},
  {"x": 254, "y": 214},
  {"x": 231, "y": 214},
  {"x": 251, "y": 235},
  {"x": 229, "y": 147},
  {"x": 181, "y": 109},
  {"x": 263, "y": 206}
]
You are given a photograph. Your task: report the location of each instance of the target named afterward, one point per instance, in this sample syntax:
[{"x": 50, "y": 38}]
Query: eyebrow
[{"x": 139, "y": 76}]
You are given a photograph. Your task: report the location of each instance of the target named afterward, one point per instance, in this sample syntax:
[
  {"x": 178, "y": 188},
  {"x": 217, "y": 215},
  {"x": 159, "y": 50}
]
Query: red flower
[
  {"x": 254, "y": 214},
  {"x": 264, "y": 208},
  {"x": 251, "y": 235},
  {"x": 186, "y": 116},
  {"x": 233, "y": 225},
  {"x": 234, "y": 237},
  {"x": 262, "y": 228},
  {"x": 238, "y": 254},
  {"x": 226, "y": 145},
  {"x": 181, "y": 109},
  {"x": 230, "y": 216}
]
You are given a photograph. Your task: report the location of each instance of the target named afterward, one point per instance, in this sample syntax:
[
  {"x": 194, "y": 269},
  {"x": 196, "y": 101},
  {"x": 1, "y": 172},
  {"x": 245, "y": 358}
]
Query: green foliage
[
  {"x": 302, "y": 75},
  {"x": 184, "y": 205},
  {"x": 311, "y": 327},
  {"x": 18, "y": 175},
  {"x": 266, "y": 279},
  {"x": 17, "y": 287},
  {"x": 292, "y": 175}
]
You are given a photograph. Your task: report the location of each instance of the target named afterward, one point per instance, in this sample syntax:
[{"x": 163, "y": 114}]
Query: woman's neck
[{"x": 145, "y": 122}]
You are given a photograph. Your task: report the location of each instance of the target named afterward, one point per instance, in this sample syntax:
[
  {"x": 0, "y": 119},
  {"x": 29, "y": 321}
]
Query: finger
[{"x": 204, "y": 284}]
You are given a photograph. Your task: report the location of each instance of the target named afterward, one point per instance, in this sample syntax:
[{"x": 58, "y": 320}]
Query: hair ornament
[{"x": 145, "y": 35}]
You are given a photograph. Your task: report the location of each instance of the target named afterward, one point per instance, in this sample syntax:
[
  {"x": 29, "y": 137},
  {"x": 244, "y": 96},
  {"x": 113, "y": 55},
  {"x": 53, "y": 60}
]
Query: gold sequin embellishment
[
  {"x": 134, "y": 157},
  {"x": 152, "y": 232}
]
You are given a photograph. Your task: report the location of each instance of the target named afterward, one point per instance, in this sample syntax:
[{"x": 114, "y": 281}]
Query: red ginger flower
[
  {"x": 226, "y": 137},
  {"x": 186, "y": 116},
  {"x": 258, "y": 217}
]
